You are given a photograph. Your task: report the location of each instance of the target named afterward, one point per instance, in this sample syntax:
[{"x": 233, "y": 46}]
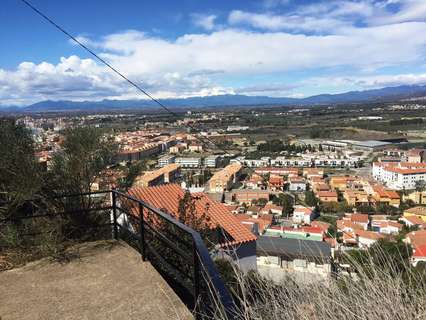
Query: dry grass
[{"x": 382, "y": 293}]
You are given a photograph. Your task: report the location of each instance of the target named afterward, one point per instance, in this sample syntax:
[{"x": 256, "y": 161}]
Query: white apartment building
[
  {"x": 166, "y": 160},
  {"x": 399, "y": 176},
  {"x": 189, "y": 162},
  {"x": 211, "y": 161}
]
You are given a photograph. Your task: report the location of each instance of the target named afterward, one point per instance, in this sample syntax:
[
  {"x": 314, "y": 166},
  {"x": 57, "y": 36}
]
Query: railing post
[
  {"x": 142, "y": 232},
  {"x": 114, "y": 214},
  {"x": 196, "y": 275}
]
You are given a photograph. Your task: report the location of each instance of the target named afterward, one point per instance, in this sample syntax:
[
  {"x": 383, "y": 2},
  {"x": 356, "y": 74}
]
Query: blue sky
[{"x": 196, "y": 48}]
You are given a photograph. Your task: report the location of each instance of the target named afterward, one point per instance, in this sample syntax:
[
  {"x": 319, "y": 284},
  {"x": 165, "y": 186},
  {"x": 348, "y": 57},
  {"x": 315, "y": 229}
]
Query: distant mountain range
[{"x": 367, "y": 96}]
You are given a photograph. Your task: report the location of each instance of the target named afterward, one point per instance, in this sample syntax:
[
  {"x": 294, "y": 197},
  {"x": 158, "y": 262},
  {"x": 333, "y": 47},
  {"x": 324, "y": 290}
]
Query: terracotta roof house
[
  {"x": 411, "y": 221},
  {"x": 276, "y": 182},
  {"x": 303, "y": 215},
  {"x": 327, "y": 196},
  {"x": 255, "y": 182},
  {"x": 324, "y": 226},
  {"x": 239, "y": 239},
  {"x": 416, "y": 238},
  {"x": 419, "y": 212},
  {"x": 247, "y": 196},
  {"x": 367, "y": 238},
  {"x": 271, "y": 208},
  {"x": 419, "y": 254},
  {"x": 256, "y": 225}
]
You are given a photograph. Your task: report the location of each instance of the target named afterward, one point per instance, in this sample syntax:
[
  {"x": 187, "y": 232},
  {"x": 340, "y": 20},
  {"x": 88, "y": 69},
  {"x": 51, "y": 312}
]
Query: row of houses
[
  {"x": 303, "y": 161},
  {"x": 190, "y": 162},
  {"x": 224, "y": 179}
]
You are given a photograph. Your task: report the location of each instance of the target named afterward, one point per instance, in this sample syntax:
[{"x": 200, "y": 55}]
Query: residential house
[
  {"x": 418, "y": 197},
  {"x": 419, "y": 212},
  {"x": 413, "y": 221},
  {"x": 387, "y": 227},
  {"x": 340, "y": 182},
  {"x": 195, "y": 148},
  {"x": 271, "y": 208},
  {"x": 416, "y": 238},
  {"x": 166, "y": 160},
  {"x": 279, "y": 257},
  {"x": 248, "y": 196},
  {"x": 324, "y": 226},
  {"x": 419, "y": 255},
  {"x": 310, "y": 173},
  {"x": 257, "y": 225},
  {"x": 386, "y": 196},
  {"x": 253, "y": 210},
  {"x": 416, "y": 155},
  {"x": 276, "y": 182},
  {"x": 297, "y": 184},
  {"x": 356, "y": 197},
  {"x": 366, "y": 239},
  {"x": 358, "y": 218},
  {"x": 304, "y": 215},
  {"x": 238, "y": 242},
  {"x": 320, "y": 187},
  {"x": 254, "y": 182},
  {"x": 178, "y": 148},
  {"x": 302, "y": 233},
  {"x": 327, "y": 196}
]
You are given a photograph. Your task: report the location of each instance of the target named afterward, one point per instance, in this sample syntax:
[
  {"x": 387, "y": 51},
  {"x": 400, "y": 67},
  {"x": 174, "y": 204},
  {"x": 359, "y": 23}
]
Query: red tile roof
[
  {"x": 369, "y": 234},
  {"x": 321, "y": 224},
  {"x": 419, "y": 251},
  {"x": 271, "y": 206},
  {"x": 166, "y": 197},
  {"x": 327, "y": 194},
  {"x": 359, "y": 218},
  {"x": 247, "y": 221}
]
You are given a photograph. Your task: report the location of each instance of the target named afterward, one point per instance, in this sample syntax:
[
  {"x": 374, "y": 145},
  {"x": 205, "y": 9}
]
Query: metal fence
[{"x": 176, "y": 251}]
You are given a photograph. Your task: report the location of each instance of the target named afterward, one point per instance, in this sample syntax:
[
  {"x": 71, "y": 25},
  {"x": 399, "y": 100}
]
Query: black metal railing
[{"x": 175, "y": 250}]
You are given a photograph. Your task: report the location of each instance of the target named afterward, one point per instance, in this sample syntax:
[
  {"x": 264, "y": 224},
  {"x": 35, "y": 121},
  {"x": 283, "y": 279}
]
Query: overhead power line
[{"x": 116, "y": 71}]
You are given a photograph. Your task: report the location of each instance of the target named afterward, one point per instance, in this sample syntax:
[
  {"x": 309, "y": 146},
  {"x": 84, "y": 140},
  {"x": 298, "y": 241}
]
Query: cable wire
[{"x": 116, "y": 71}]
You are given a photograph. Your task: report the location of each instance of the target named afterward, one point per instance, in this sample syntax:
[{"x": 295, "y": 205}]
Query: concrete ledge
[{"x": 103, "y": 280}]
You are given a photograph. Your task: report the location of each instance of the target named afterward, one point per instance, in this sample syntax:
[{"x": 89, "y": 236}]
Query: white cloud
[
  {"x": 269, "y": 21},
  {"x": 206, "y": 22},
  {"x": 195, "y": 64},
  {"x": 368, "y": 82},
  {"x": 411, "y": 10},
  {"x": 239, "y": 52}
]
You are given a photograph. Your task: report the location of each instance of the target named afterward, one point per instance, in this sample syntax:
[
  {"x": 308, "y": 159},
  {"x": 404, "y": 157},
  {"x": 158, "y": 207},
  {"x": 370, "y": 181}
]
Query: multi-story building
[
  {"x": 168, "y": 174},
  {"x": 223, "y": 179},
  {"x": 192, "y": 162},
  {"x": 165, "y": 160},
  {"x": 211, "y": 161},
  {"x": 399, "y": 176}
]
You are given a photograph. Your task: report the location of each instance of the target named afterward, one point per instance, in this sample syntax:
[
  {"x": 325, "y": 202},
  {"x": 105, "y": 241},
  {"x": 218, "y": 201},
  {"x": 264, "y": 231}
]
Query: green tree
[
  {"x": 420, "y": 186},
  {"x": 86, "y": 153},
  {"x": 20, "y": 174},
  {"x": 132, "y": 171},
  {"x": 384, "y": 255},
  {"x": 286, "y": 201},
  {"x": 310, "y": 198}
]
